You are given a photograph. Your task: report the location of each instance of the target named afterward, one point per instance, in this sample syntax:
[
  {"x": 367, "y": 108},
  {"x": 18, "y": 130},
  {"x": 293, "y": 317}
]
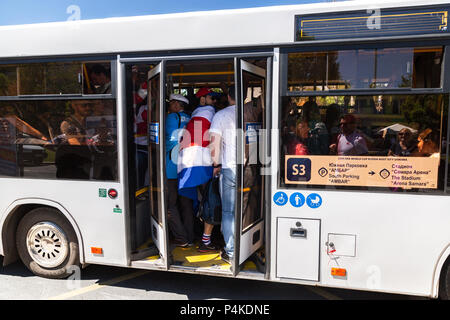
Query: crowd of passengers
[
  {"x": 200, "y": 149},
  {"x": 306, "y": 132}
]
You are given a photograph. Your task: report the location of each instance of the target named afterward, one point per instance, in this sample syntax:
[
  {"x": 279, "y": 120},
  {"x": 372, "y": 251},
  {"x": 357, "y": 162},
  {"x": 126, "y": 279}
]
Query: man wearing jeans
[
  {"x": 223, "y": 153},
  {"x": 180, "y": 213}
]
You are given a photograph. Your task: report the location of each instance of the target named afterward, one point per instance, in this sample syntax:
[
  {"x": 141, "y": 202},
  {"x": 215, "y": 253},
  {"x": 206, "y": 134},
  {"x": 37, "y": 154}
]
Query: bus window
[
  {"x": 365, "y": 69},
  {"x": 48, "y": 78},
  {"x": 55, "y": 78},
  {"x": 97, "y": 78},
  {"x": 8, "y": 81},
  {"x": 381, "y": 142},
  {"x": 74, "y": 139}
]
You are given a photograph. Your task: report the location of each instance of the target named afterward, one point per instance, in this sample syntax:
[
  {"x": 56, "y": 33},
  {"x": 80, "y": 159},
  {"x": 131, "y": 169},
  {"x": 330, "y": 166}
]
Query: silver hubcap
[{"x": 47, "y": 244}]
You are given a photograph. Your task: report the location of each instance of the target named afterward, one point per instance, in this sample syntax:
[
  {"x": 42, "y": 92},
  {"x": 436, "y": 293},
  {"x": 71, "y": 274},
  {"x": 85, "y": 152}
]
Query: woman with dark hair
[{"x": 426, "y": 144}]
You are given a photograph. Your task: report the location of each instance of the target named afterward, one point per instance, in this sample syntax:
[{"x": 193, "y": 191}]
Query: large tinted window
[
  {"x": 55, "y": 78},
  {"x": 388, "y": 142},
  {"x": 390, "y": 68},
  {"x": 74, "y": 139}
]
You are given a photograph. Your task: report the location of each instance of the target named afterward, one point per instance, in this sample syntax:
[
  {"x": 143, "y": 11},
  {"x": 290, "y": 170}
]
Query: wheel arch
[
  {"x": 16, "y": 211},
  {"x": 443, "y": 259}
]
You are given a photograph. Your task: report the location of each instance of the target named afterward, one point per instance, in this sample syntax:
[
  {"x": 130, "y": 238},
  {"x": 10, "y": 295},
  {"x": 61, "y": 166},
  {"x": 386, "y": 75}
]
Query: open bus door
[
  {"x": 156, "y": 159},
  {"x": 251, "y": 100}
]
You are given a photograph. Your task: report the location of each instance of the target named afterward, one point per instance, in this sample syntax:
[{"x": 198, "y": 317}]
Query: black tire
[
  {"x": 52, "y": 217},
  {"x": 444, "y": 282}
]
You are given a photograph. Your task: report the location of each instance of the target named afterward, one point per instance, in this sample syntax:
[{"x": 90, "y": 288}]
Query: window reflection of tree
[{"x": 49, "y": 78}]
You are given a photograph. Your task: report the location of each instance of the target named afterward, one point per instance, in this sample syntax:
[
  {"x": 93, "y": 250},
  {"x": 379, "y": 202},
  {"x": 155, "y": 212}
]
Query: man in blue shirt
[{"x": 181, "y": 222}]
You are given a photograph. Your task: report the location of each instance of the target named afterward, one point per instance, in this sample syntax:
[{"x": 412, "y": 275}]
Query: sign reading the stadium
[{"x": 357, "y": 171}]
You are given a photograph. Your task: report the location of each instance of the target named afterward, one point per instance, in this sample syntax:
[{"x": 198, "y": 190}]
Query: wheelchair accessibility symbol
[
  {"x": 314, "y": 201},
  {"x": 280, "y": 198}
]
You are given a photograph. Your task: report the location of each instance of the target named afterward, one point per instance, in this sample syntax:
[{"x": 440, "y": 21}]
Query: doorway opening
[
  {"x": 196, "y": 244},
  {"x": 167, "y": 229}
]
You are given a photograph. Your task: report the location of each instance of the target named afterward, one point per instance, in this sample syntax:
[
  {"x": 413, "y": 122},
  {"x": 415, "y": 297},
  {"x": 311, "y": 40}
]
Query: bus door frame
[
  {"x": 248, "y": 241},
  {"x": 161, "y": 61},
  {"x": 158, "y": 228}
]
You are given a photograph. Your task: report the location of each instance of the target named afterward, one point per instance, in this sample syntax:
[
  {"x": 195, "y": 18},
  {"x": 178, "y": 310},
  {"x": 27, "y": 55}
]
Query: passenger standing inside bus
[
  {"x": 141, "y": 135},
  {"x": 73, "y": 157},
  {"x": 195, "y": 164},
  {"x": 426, "y": 145},
  {"x": 100, "y": 79},
  {"x": 216, "y": 100},
  {"x": 181, "y": 225},
  {"x": 74, "y": 127},
  {"x": 405, "y": 146},
  {"x": 103, "y": 149},
  {"x": 223, "y": 153},
  {"x": 318, "y": 140},
  {"x": 298, "y": 145},
  {"x": 350, "y": 142}
]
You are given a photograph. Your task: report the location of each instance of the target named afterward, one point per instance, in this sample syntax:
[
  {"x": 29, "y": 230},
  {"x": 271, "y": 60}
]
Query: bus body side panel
[
  {"x": 398, "y": 239},
  {"x": 100, "y": 220},
  {"x": 386, "y": 242}
]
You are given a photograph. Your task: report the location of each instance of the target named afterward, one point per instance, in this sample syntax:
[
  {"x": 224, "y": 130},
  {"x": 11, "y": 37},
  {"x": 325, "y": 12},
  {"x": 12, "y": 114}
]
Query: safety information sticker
[
  {"x": 297, "y": 200},
  {"x": 102, "y": 193},
  {"x": 252, "y": 131},
  {"x": 153, "y": 132},
  {"x": 314, "y": 201},
  {"x": 394, "y": 172},
  {"x": 280, "y": 198}
]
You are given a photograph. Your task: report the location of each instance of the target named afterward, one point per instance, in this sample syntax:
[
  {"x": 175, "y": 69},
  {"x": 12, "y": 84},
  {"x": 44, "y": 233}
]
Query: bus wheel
[
  {"x": 47, "y": 243},
  {"x": 444, "y": 285}
]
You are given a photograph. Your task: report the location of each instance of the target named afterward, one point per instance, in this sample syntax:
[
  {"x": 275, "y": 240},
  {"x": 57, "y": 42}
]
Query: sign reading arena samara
[{"x": 368, "y": 171}]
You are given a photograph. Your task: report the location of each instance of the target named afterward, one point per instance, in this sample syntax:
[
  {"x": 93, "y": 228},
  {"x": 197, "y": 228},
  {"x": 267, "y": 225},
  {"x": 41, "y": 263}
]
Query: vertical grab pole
[
  {"x": 267, "y": 168},
  {"x": 239, "y": 163}
]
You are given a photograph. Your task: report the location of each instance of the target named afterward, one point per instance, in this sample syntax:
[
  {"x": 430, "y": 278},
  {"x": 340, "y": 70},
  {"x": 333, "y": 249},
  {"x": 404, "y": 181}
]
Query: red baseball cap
[{"x": 203, "y": 92}]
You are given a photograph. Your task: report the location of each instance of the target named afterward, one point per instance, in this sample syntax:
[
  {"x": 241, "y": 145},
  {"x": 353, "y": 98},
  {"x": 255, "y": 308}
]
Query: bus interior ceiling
[{"x": 185, "y": 78}]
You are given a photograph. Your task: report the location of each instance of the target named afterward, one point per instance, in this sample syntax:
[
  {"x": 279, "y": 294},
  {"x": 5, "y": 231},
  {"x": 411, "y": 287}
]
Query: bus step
[{"x": 144, "y": 253}]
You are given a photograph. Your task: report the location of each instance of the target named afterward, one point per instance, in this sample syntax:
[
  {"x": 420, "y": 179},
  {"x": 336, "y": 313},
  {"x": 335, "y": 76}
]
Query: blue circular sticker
[
  {"x": 314, "y": 201},
  {"x": 280, "y": 198},
  {"x": 297, "y": 200}
]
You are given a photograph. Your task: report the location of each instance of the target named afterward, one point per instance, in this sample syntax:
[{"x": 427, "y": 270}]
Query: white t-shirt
[
  {"x": 224, "y": 124},
  {"x": 352, "y": 145}
]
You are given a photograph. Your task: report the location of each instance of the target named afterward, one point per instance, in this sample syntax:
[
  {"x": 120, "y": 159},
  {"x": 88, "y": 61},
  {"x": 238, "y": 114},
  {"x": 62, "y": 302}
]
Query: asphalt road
[{"x": 113, "y": 283}]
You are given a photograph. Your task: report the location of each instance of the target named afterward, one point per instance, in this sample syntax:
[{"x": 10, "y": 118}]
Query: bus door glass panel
[
  {"x": 155, "y": 152},
  {"x": 253, "y": 98}
]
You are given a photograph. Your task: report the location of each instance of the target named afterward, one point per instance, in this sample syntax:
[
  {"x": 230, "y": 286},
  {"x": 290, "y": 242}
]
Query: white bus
[{"x": 345, "y": 103}]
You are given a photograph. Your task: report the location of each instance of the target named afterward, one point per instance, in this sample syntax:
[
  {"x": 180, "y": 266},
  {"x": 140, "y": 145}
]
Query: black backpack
[{"x": 210, "y": 208}]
